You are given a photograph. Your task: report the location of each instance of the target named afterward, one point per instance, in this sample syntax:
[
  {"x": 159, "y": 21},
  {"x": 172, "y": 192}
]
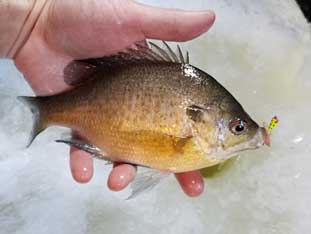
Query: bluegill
[{"x": 148, "y": 106}]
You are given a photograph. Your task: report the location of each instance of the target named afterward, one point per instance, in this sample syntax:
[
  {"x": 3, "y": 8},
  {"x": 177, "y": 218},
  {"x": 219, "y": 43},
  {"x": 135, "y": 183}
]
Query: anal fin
[{"x": 146, "y": 181}]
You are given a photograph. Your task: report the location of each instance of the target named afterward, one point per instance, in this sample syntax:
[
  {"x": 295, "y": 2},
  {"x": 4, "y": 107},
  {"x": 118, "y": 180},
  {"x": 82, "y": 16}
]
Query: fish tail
[{"x": 33, "y": 104}]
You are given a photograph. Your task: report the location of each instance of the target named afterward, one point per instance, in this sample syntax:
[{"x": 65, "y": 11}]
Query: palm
[
  {"x": 72, "y": 29},
  {"x": 61, "y": 36}
]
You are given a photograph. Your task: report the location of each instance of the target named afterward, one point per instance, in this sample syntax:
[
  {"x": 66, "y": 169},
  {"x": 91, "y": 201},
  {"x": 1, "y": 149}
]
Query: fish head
[
  {"x": 224, "y": 129},
  {"x": 238, "y": 132}
]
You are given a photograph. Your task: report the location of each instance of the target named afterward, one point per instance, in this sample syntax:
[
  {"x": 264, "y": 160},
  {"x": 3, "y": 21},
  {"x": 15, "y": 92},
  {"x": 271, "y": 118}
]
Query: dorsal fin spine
[
  {"x": 162, "y": 52},
  {"x": 170, "y": 52},
  {"x": 181, "y": 56}
]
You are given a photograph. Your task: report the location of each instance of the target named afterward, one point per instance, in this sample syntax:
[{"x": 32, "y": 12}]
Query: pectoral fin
[{"x": 181, "y": 143}]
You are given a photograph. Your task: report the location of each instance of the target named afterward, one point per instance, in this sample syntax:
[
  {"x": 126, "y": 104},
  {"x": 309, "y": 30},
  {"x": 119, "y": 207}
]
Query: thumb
[{"x": 170, "y": 24}]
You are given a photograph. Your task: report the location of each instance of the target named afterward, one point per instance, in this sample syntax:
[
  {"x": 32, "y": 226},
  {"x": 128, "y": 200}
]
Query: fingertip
[
  {"x": 191, "y": 182},
  {"x": 172, "y": 24},
  {"x": 211, "y": 18},
  {"x": 81, "y": 165},
  {"x": 120, "y": 176},
  {"x": 202, "y": 22},
  {"x": 198, "y": 23}
]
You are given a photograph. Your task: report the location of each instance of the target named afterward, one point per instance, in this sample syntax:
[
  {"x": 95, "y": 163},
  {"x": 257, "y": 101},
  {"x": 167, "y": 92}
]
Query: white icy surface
[{"x": 260, "y": 51}]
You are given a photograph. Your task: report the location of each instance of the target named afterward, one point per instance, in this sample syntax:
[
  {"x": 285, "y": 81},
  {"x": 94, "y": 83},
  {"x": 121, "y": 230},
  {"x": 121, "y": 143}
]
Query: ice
[{"x": 260, "y": 51}]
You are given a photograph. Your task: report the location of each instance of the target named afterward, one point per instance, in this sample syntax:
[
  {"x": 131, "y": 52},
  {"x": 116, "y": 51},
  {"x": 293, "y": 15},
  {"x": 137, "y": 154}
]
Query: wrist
[{"x": 17, "y": 19}]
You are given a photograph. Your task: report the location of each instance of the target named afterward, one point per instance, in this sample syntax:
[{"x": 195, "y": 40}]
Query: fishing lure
[{"x": 273, "y": 123}]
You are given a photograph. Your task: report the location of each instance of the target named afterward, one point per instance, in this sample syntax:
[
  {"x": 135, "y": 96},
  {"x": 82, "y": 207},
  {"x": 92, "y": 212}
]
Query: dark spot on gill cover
[{"x": 195, "y": 113}]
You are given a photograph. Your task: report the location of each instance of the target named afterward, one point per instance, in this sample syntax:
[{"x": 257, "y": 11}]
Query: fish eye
[{"x": 237, "y": 126}]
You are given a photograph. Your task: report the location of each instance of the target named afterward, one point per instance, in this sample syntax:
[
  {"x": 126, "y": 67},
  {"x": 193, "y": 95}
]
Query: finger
[
  {"x": 191, "y": 182},
  {"x": 171, "y": 24},
  {"x": 120, "y": 176},
  {"x": 81, "y": 165}
]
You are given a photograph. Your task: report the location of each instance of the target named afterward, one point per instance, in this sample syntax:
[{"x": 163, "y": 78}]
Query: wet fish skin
[{"x": 161, "y": 114}]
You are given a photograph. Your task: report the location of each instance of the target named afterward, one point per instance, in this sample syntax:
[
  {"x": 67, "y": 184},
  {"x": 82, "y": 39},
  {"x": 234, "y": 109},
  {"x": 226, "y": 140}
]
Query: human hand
[{"x": 77, "y": 29}]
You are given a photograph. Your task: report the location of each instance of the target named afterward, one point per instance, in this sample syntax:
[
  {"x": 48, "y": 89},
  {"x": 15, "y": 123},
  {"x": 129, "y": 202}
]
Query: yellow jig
[{"x": 274, "y": 121}]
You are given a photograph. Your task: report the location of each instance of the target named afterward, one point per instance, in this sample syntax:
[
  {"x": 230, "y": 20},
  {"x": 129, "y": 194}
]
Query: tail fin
[{"x": 33, "y": 104}]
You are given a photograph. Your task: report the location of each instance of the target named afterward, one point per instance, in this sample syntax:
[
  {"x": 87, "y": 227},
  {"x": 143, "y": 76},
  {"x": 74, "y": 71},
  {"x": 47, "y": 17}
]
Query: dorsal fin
[
  {"x": 142, "y": 52},
  {"x": 79, "y": 71}
]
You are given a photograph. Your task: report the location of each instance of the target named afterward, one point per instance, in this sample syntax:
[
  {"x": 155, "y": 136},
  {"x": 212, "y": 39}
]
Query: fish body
[{"x": 150, "y": 108}]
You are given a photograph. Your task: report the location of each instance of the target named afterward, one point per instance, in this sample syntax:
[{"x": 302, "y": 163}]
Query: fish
[{"x": 148, "y": 106}]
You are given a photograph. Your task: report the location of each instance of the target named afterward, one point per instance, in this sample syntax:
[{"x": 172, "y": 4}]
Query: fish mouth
[
  {"x": 265, "y": 136},
  {"x": 262, "y": 137}
]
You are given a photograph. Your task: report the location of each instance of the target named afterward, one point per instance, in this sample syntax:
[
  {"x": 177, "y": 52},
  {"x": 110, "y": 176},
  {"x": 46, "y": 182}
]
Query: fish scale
[{"x": 149, "y": 107}]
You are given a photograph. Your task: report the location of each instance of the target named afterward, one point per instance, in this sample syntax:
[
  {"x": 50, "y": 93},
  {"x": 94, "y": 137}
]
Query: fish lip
[{"x": 265, "y": 136}]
